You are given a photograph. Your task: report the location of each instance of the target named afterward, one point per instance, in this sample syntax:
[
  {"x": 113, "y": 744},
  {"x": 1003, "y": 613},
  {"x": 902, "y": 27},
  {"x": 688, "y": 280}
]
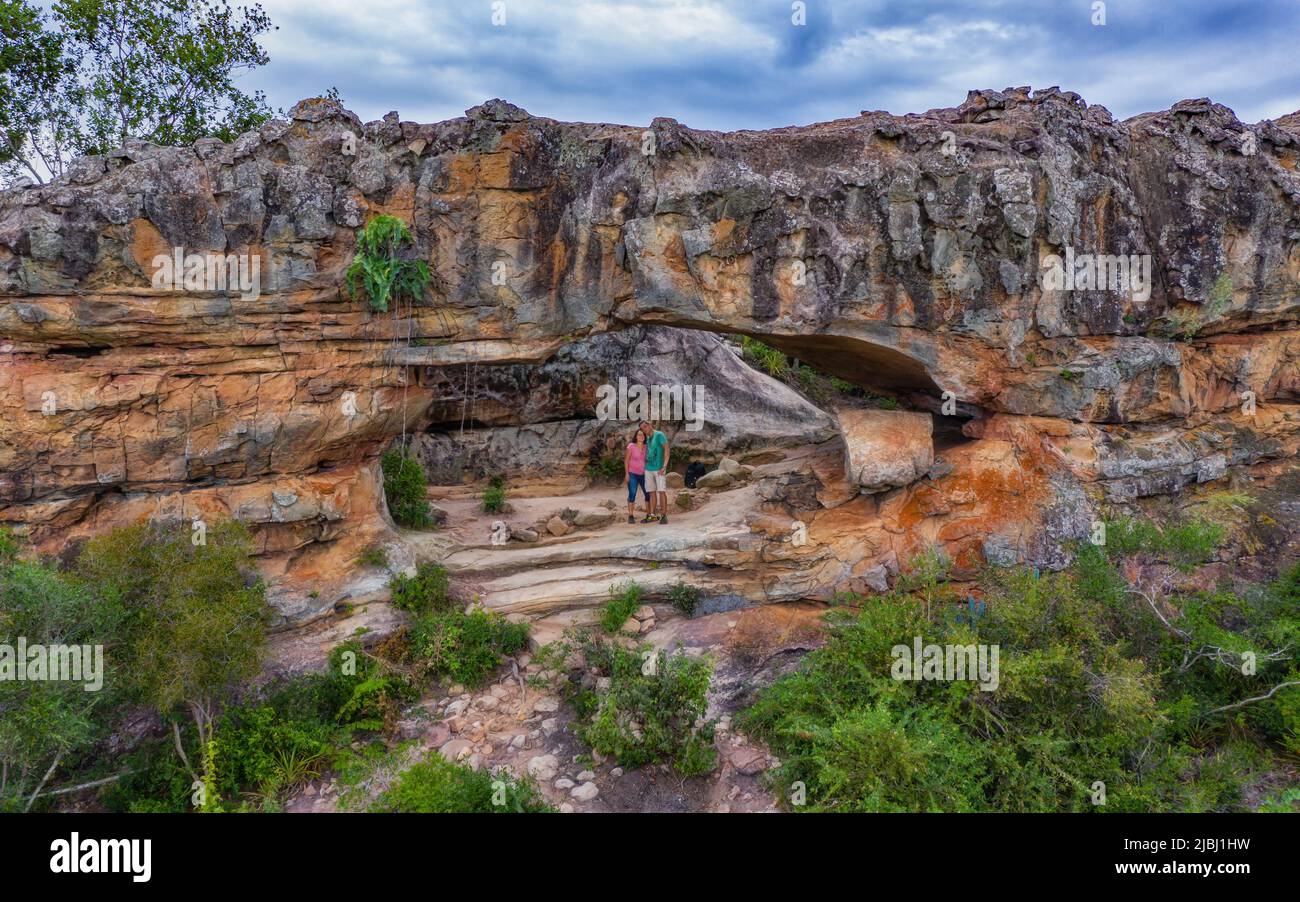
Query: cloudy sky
[{"x": 728, "y": 64}]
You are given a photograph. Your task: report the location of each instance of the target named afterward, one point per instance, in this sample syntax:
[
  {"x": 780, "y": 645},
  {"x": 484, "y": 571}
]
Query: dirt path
[{"x": 533, "y": 732}]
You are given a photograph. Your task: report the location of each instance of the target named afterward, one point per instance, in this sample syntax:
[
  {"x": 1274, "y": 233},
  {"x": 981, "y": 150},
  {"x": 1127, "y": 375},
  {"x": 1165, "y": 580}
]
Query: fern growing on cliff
[{"x": 379, "y": 270}]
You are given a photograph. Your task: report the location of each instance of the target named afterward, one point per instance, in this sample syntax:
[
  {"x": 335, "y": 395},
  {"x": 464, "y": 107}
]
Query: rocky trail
[
  {"x": 558, "y": 583},
  {"x": 530, "y": 730}
]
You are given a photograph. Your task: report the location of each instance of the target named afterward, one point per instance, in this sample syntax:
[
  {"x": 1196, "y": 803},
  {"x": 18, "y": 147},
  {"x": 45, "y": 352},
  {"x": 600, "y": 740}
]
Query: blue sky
[{"x": 727, "y": 64}]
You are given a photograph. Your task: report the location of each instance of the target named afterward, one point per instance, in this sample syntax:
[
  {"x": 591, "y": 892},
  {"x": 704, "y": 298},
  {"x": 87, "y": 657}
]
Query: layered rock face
[
  {"x": 1112, "y": 306},
  {"x": 546, "y": 423}
]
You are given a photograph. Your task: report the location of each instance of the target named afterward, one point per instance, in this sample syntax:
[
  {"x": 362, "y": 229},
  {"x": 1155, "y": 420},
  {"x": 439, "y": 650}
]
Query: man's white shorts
[{"x": 656, "y": 481}]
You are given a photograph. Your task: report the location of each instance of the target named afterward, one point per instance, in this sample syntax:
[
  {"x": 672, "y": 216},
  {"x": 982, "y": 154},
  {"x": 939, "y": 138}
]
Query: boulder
[
  {"x": 675, "y": 480},
  {"x": 456, "y": 749},
  {"x": 885, "y": 449},
  {"x": 557, "y": 527},
  {"x": 584, "y": 792},
  {"x": 543, "y": 768},
  {"x": 715, "y": 479},
  {"x": 594, "y": 517}
]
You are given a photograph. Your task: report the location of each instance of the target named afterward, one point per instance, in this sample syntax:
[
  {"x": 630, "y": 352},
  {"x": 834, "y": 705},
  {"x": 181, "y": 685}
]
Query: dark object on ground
[{"x": 694, "y": 471}]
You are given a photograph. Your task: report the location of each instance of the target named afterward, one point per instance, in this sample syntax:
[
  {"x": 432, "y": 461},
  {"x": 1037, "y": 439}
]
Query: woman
[{"x": 634, "y": 471}]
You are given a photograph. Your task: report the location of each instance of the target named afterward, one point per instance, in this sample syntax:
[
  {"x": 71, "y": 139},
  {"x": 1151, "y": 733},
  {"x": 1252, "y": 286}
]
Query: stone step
[
  {"x": 535, "y": 592},
  {"x": 643, "y": 542}
]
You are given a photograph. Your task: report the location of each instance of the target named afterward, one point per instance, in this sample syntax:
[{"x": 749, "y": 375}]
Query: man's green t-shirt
[{"x": 654, "y": 455}]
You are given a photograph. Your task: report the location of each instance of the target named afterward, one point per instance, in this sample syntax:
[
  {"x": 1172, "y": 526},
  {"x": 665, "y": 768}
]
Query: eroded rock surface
[
  {"x": 900, "y": 253},
  {"x": 885, "y": 449}
]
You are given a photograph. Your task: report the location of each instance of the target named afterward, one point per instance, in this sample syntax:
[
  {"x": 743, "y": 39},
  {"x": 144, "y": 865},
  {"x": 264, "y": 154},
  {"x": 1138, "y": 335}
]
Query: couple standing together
[{"x": 645, "y": 464}]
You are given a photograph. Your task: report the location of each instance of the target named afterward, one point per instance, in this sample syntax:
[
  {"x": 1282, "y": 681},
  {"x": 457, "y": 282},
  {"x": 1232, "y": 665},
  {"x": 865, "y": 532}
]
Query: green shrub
[
  {"x": 623, "y": 601},
  {"x": 45, "y": 722},
  {"x": 373, "y": 556},
  {"x": 378, "y": 270},
  {"x": 153, "y": 780},
  {"x": 197, "y": 615},
  {"x": 428, "y": 590},
  {"x": 271, "y": 743},
  {"x": 494, "y": 497},
  {"x": 437, "y": 786},
  {"x": 685, "y": 598},
  {"x": 1092, "y": 687},
  {"x": 653, "y": 710},
  {"x": 764, "y": 357},
  {"x": 364, "y": 691},
  {"x": 404, "y": 489},
  {"x": 265, "y": 755},
  {"x": 925, "y": 575},
  {"x": 1185, "y": 545},
  {"x": 463, "y": 647},
  {"x": 605, "y": 468}
]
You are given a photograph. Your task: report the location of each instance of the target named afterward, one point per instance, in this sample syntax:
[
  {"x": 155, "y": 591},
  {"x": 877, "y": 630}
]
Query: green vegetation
[
  {"x": 379, "y": 271},
  {"x": 764, "y": 358},
  {"x": 818, "y": 386},
  {"x": 1184, "y": 325},
  {"x": 429, "y": 590},
  {"x": 366, "y": 691},
  {"x": 373, "y": 556},
  {"x": 89, "y": 74},
  {"x": 494, "y": 497},
  {"x": 181, "y": 621},
  {"x": 183, "y": 625},
  {"x": 444, "y": 641},
  {"x": 45, "y": 721},
  {"x": 622, "y": 602},
  {"x": 436, "y": 786},
  {"x": 404, "y": 489},
  {"x": 274, "y": 740},
  {"x": 463, "y": 646},
  {"x": 653, "y": 710},
  {"x": 605, "y": 468},
  {"x": 684, "y": 598},
  {"x": 1184, "y": 545},
  {"x": 1100, "y": 682},
  {"x": 195, "y": 620}
]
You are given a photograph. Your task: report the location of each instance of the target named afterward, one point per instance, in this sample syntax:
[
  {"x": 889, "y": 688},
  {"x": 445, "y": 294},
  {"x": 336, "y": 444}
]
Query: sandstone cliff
[{"x": 906, "y": 254}]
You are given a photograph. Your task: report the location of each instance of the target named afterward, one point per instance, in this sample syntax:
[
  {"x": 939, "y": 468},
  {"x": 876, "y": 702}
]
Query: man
[{"x": 656, "y": 473}]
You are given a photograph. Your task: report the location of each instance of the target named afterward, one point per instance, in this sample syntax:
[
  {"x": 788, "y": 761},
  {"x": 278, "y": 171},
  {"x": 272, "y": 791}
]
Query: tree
[
  {"x": 43, "y": 721},
  {"x": 160, "y": 70},
  {"x": 198, "y": 617},
  {"x": 34, "y": 125}
]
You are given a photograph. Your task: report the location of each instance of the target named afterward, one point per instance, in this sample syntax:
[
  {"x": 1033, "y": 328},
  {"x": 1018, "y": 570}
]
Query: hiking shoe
[
  {"x": 649, "y": 519},
  {"x": 663, "y": 519},
  {"x": 631, "y": 519}
]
